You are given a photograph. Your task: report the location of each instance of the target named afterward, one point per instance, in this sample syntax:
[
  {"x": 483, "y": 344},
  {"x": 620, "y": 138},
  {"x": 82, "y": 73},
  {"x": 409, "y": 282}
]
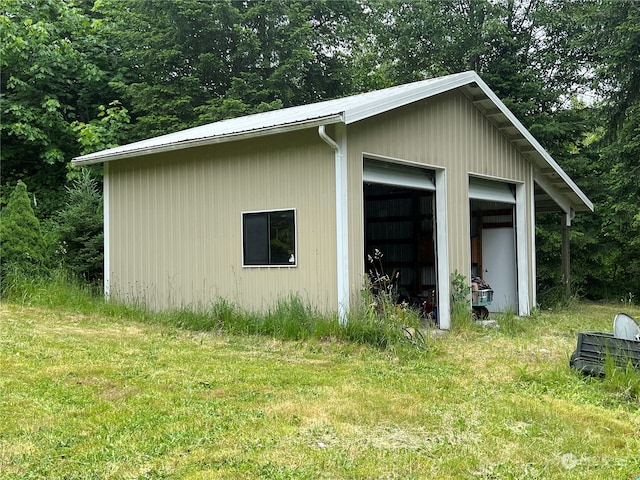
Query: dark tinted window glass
[{"x": 269, "y": 238}]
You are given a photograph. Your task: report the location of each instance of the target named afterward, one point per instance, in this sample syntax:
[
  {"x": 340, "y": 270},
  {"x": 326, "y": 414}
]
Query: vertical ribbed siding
[
  {"x": 175, "y": 218},
  {"x": 448, "y": 132},
  {"x": 175, "y": 223}
]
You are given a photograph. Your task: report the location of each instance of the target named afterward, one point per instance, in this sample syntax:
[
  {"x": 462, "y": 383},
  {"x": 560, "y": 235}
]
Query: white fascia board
[
  {"x": 412, "y": 93},
  {"x": 534, "y": 143},
  {"x": 144, "y": 147}
]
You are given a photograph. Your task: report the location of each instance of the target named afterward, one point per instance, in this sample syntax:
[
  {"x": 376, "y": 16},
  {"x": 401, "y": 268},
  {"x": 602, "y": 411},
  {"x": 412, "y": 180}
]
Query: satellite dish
[{"x": 626, "y": 327}]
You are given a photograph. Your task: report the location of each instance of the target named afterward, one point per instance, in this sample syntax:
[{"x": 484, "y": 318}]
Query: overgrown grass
[
  {"x": 55, "y": 290},
  {"x": 510, "y": 323},
  {"x": 113, "y": 392},
  {"x": 556, "y": 298},
  {"x": 290, "y": 318},
  {"x": 622, "y": 381}
]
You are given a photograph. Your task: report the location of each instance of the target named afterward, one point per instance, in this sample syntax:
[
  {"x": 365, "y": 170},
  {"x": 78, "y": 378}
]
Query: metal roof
[{"x": 556, "y": 186}]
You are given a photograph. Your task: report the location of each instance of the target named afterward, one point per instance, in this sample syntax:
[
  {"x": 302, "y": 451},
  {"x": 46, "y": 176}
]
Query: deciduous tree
[{"x": 57, "y": 62}]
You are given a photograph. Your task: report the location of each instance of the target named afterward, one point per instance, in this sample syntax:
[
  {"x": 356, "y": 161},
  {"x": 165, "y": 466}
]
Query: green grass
[{"x": 94, "y": 390}]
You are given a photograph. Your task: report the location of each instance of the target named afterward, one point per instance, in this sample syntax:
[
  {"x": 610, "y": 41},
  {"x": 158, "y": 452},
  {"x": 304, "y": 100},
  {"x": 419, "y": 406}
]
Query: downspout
[{"x": 342, "y": 226}]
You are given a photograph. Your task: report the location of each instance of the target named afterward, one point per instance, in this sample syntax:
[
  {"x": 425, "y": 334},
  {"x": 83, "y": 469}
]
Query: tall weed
[
  {"x": 556, "y": 298},
  {"x": 290, "y": 319},
  {"x": 461, "y": 318},
  {"x": 381, "y": 319},
  {"x": 374, "y": 324}
]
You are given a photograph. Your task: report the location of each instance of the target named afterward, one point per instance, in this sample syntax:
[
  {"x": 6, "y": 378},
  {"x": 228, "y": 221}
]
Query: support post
[{"x": 566, "y": 279}]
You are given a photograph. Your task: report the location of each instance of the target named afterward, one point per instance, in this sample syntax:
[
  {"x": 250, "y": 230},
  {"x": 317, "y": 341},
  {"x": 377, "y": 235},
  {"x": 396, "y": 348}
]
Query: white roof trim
[
  {"x": 193, "y": 138},
  {"x": 345, "y": 110},
  {"x": 533, "y": 142}
]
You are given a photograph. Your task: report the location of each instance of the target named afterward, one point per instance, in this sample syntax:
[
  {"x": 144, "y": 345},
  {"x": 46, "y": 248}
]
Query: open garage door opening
[
  {"x": 493, "y": 241},
  {"x": 399, "y": 221}
]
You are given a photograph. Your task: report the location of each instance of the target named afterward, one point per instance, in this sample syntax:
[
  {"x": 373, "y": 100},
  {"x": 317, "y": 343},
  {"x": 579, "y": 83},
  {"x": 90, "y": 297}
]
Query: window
[{"x": 269, "y": 238}]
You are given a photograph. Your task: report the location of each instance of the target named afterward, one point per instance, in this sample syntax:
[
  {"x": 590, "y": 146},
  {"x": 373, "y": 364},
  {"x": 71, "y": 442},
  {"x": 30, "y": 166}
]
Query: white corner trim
[
  {"x": 106, "y": 231},
  {"x": 522, "y": 250},
  {"x": 442, "y": 249},
  {"x": 533, "y": 265}
]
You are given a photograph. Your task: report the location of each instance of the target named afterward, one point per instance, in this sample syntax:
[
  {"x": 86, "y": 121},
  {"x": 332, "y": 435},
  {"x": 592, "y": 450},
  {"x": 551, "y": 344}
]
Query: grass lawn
[{"x": 87, "y": 396}]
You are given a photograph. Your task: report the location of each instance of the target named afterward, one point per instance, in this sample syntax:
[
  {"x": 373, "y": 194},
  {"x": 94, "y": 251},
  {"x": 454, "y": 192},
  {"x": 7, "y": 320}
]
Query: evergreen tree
[
  {"x": 21, "y": 242},
  {"x": 80, "y": 228},
  {"x": 617, "y": 187}
]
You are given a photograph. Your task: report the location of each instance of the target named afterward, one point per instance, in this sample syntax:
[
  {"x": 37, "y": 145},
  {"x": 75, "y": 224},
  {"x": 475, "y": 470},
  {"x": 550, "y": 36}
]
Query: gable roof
[{"x": 554, "y": 183}]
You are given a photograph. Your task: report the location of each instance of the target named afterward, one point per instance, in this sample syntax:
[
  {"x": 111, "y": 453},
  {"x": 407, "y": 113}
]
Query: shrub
[{"x": 22, "y": 247}]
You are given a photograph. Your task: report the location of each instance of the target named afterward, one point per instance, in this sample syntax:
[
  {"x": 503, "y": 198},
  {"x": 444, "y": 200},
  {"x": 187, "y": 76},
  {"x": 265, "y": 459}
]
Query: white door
[{"x": 499, "y": 267}]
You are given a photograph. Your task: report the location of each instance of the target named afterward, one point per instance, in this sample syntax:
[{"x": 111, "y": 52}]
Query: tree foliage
[
  {"x": 22, "y": 245},
  {"x": 57, "y": 64},
  {"x": 79, "y": 229},
  {"x": 79, "y": 76},
  {"x": 617, "y": 190},
  {"x": 194, "y": 62}
]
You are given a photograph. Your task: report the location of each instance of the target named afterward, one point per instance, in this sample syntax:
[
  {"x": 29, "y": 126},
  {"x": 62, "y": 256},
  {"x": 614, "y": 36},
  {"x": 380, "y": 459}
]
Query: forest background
[{"x": 81, "y": 76}]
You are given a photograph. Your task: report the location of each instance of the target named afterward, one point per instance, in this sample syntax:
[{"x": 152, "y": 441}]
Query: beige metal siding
[
  {"x": 175, "y": 223},
  {"x": 446, "y": 132},
  {"x": 175, "y": 217}
]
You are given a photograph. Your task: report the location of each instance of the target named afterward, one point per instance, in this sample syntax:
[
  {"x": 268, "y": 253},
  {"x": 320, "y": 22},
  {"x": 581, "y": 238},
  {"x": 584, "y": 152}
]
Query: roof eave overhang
[
  {"x": 553, "y": 180},
  {"x": 548, "y": 174},
  {"x": 114, "y": 153}
]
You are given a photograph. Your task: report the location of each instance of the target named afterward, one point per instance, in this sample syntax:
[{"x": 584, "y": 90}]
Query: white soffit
[{"x": 493, "y": 108}]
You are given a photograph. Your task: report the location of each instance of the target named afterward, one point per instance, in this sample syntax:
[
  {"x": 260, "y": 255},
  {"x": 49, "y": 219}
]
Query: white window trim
[{"x": 295, "y": 234}]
